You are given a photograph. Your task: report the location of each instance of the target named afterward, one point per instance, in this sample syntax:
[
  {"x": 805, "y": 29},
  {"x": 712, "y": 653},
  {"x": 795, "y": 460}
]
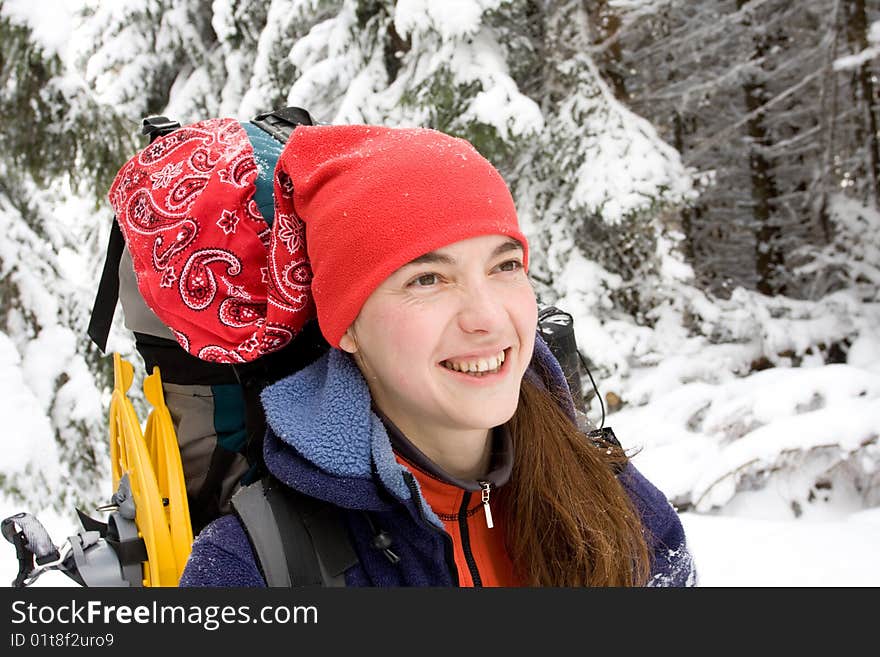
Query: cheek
[
  {"x": 400, "y": 337},
  {"x": 523, "y": 309}
]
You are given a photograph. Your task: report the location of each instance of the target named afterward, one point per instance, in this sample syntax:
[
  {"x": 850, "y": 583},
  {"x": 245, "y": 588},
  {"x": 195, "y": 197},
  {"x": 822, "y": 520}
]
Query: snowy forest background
[{"x": 699, "y": 181}]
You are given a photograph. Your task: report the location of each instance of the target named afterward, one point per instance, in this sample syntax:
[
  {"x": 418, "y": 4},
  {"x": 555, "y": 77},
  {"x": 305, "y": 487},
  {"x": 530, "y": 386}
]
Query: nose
[{"x": 482, "y": 308}]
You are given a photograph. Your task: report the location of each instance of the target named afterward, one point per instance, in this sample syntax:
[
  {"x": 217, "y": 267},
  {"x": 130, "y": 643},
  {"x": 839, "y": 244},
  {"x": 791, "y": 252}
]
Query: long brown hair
[{"x": 569, "y": 521}]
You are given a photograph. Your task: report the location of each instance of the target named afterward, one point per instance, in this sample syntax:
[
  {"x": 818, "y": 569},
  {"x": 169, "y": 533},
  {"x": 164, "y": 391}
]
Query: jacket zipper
[
  {"x": 487, "y": 489},
  {"x": 466, "y": 540},
  {"x": 447, "y": 540}
]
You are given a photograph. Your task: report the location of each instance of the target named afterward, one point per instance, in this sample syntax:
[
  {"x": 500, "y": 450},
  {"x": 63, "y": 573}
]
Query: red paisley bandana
[{"x": 229, "y": 287}]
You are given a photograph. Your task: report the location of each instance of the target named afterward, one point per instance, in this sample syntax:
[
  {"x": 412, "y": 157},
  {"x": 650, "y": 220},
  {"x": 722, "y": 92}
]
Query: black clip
[
  {"x": 158, "y": 126},
  {"x": 604, "y": 437},
  {"x": 281, "y": 122}
]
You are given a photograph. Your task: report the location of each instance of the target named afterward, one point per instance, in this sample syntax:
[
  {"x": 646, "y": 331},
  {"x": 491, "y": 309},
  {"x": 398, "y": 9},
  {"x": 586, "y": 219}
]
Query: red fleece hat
[{"x": 374, "y": 198}]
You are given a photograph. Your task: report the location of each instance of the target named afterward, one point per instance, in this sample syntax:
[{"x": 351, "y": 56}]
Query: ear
[{"x": 347, "y": 342}]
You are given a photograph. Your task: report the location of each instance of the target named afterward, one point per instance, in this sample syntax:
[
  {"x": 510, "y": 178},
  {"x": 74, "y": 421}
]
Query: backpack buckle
[
  {"x": 604, "y": 437},
  {"x": 158, "y": 126},
  {"x": 281, "y": 122}
]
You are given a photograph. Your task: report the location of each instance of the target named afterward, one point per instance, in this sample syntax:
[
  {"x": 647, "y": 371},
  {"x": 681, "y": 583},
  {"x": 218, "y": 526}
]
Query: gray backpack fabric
[{"x": 297, "y": 540}]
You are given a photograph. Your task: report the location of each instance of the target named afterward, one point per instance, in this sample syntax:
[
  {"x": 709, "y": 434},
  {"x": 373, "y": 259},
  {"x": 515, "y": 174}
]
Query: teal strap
[
  {"x": 229, "y": 416},
  {"x": 267, "y": 150}
]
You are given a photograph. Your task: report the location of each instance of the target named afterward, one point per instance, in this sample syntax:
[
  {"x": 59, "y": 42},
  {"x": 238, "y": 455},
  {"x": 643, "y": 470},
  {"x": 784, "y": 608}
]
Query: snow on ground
[
  {"x": 733, "y": 551},
  {"x": 776, "y": 472}
]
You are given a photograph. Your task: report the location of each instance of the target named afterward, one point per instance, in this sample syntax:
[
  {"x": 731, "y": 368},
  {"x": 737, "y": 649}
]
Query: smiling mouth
[{"x": 478, "y": 367}]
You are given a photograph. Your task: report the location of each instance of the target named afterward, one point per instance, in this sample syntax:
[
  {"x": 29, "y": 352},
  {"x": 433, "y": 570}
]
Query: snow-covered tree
[
  {"x": 58, "y": 148},
  {"x": 755, "y": 97}
]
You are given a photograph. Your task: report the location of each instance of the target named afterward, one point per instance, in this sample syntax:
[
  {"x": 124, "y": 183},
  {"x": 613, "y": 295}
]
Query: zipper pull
[{"x": 487, "y": 487}]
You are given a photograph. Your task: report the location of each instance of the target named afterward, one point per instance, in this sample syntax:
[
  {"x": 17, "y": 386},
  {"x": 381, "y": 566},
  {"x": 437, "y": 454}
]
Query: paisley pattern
[
  {"x": 187, "y": 231},
  {"x": 201, "y": 161},
  {"x": 216, "y": 354},
  {"x": 146, "y": 216},
  {"x": 198, "y": 287},
  {"x": 182, "y": 339},
  {"x": 166, "y": 147},
  {"x": 274, "y": 338},
  {"x": 290, "y": 279},
  {"x": 230, "y": 287},
  {"x": 239, "y": 171},
  {"x": 240, "y": 313},
  {"x": 186, "y": 191}
]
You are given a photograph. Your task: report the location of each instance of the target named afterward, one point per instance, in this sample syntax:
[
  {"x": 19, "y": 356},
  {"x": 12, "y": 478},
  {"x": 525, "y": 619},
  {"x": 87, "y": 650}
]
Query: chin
[{"x": 483, "y": 418}]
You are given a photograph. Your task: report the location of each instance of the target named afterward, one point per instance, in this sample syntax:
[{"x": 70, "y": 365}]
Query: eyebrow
[{"x": 441, "y": 258}]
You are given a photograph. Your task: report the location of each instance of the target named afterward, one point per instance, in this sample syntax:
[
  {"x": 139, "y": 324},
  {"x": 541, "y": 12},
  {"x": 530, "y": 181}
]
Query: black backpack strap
[
  {"x": 108, "y": 289},
  {"x": 298, "y": 540},
  {"x": 281, "y": 122},
  {"x": 178, "y": 365},
  {"x": 330, "y": 540}
]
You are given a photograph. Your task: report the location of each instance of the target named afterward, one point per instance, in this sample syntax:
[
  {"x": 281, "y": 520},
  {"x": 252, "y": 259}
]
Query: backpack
[
  {"x": 213, "y": 401},
  {"x": 207, "y": 398},
  {"x": 297, "y": 540}
]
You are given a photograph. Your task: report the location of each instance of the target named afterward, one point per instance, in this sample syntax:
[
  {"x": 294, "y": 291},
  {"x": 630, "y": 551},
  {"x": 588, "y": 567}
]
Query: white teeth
[{"x": 477, "y": 366}]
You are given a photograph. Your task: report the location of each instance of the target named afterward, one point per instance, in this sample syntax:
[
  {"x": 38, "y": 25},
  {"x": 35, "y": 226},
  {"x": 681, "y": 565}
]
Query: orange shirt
[{"x": 480, "y": 555}]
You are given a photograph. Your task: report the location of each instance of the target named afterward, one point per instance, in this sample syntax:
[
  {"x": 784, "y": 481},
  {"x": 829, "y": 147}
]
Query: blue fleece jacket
[{"x": 324, "y": 440}]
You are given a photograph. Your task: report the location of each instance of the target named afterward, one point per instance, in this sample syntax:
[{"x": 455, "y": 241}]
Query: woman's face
[{"x": 466, "y": 307}]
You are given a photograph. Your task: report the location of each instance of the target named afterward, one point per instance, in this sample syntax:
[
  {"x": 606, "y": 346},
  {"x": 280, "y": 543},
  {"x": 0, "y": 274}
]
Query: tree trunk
[
  {"x": 858, "y": 36},
  {"x": 604, "y": 24},
  {"x": 769, "y": 259},
  {"x": 688, "y": 216},
  {"x": 828, "y": 111}
]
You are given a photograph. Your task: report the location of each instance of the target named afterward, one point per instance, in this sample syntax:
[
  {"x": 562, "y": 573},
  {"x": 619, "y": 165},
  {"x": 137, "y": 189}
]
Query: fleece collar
[{"x": 323, "y": 412}]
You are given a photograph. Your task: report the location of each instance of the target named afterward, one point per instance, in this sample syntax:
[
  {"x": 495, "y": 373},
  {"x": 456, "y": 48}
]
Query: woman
[{"x": 438, "y": 410}]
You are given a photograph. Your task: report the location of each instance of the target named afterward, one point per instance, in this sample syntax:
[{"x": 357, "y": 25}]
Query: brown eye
[
  {"x": 425, "y": 280},
  {"x": 510, "y": 265}
]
